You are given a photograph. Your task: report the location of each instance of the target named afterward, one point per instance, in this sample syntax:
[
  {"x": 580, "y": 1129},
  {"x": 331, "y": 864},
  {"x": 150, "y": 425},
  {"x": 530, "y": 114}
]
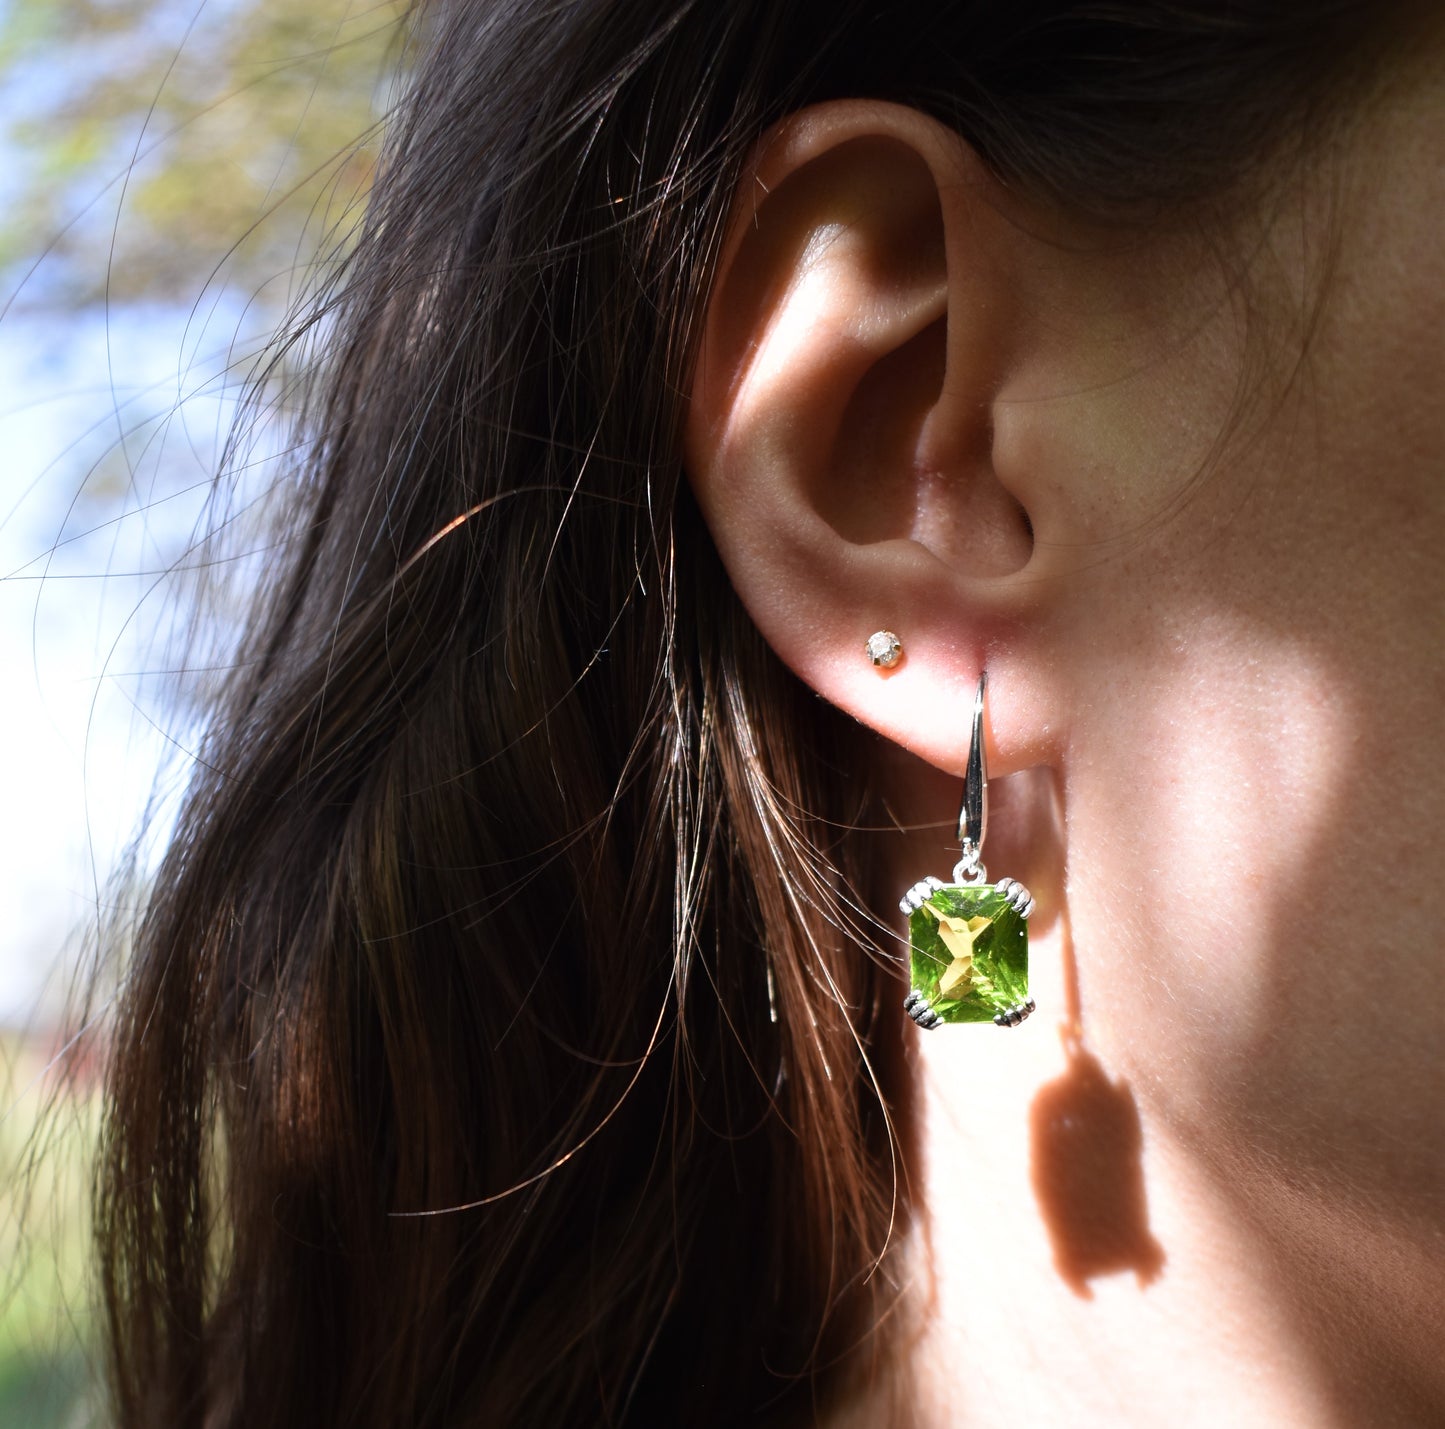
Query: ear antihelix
[{"x": 968, "y": 940}]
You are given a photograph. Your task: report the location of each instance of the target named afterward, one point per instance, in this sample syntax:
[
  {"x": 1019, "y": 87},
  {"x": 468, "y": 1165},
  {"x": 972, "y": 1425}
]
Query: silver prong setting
[
  {"x": 919, "y": 894},
  {"x": 1015, "y": 1014},
  {"x": 1017, "y": 896},
  {"x": 916, "y": 1006}
]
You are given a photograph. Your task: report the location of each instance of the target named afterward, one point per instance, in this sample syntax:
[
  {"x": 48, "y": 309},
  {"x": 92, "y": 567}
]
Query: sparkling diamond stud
[{"x": 884, "y": 649}]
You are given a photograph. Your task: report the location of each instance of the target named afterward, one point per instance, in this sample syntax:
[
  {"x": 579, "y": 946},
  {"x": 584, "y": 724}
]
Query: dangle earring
[{"x": 968, "y": 940}]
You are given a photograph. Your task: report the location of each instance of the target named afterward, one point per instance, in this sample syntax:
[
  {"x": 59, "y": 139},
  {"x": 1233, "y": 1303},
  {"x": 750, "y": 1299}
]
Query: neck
[
  {"x": 1073, "y": 1262},
  {"x": 1070, "y": 1270},
  {"x": 1099, "y": 1237}
]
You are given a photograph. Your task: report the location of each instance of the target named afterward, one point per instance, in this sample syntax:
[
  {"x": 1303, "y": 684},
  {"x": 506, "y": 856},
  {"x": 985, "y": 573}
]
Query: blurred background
[{"x": 171, "y": 172}]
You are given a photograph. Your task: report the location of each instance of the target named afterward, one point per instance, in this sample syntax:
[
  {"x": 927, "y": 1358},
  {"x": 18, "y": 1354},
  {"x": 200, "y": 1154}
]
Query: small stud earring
[
  {"x": 969, "y": 939},
  {"x": 884, "y": 649}
]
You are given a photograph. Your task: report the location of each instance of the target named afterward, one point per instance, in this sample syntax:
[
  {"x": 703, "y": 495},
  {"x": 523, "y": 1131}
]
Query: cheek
[
  {"x": 1200, "y": 817},
  {"x": 1254, "y": 938}
]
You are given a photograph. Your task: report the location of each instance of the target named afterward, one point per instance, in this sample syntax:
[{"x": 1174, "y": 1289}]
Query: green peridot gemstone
[{"x": 969, "y": 952}]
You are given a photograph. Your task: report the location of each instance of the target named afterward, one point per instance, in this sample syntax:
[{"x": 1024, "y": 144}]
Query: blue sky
[
  {"x": 108, "y": 434},
  {"x": 111, "y": 425}
]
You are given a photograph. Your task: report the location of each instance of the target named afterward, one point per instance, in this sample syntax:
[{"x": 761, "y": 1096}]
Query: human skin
[{"x": 1182, "y": 490}]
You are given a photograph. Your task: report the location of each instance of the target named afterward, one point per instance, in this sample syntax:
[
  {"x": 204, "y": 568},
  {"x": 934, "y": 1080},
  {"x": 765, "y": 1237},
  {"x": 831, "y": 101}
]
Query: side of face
[{"x": 1184, "y": 495}]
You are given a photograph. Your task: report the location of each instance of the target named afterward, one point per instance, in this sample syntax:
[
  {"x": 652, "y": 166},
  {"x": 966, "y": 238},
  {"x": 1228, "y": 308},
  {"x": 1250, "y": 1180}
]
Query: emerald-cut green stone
[{"x": 969, "y": 951}]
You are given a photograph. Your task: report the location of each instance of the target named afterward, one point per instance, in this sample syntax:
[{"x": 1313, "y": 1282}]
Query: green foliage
[
  {"x": 167, "y": 145},
  {"x": 47, "y": 1137}
]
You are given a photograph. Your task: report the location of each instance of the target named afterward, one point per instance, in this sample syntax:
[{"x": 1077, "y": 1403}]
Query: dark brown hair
[{"x": 514, "y": 882}]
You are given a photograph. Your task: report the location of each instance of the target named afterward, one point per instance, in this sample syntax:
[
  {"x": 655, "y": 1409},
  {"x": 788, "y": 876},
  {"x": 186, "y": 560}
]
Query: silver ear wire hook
[{"x": 973, "y": 816}]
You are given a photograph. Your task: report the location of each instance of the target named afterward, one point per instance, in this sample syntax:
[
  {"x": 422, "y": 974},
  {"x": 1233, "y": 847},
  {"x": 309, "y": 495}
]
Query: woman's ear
[{"x": 840, "y": 435}]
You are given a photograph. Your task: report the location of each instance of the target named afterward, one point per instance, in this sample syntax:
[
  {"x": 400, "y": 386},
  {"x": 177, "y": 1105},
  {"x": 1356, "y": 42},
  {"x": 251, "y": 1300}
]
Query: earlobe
[{"x": 839, "y": 431}]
